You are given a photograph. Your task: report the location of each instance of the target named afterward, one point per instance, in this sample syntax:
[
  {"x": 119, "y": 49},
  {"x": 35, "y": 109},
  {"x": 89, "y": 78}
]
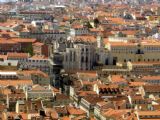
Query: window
[
  {"x": 74, "y": 56},
  {"x": 9, "y": 64},
  {"x": 71, "y": 56},
  {"x": 82, "y": 59},
  {"x": 86, "y": 59},
  {"x": 86, "y": 49}
]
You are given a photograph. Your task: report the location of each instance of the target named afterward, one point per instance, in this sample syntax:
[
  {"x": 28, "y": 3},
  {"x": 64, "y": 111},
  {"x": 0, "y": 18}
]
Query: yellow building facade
[{"x": 134, "y": 52}]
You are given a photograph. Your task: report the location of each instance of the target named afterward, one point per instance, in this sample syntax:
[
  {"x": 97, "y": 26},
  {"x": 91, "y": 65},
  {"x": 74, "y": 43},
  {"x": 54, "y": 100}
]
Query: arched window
[
  {"x": 82, "y": 59},
  {"x": 86, "y": 49},
  {"x": 71, "y": 56},
  {"x": 74, "y": 56},
  {"x": 86, "y": 59},
  {"x": 66, "y": 58}
]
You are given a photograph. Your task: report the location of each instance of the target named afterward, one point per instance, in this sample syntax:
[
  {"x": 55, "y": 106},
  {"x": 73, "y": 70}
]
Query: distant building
[{"x": 133, "y": 52}]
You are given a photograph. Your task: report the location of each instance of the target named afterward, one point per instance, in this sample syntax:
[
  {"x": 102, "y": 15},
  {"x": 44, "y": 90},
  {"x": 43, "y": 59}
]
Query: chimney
[
  {"x": 60, "y": 90},
  {"x": 7, "y": 101}
]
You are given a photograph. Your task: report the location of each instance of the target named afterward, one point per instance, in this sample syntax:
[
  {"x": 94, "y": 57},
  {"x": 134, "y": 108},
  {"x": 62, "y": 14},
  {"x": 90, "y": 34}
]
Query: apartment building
[
  {"x": 78, "y": 30},
  {"x": 43, "y": 35},
  {"x": 40, "y": 62},
  {"x": 9, "y": 46},
  {"x": 39, "y": 92}
]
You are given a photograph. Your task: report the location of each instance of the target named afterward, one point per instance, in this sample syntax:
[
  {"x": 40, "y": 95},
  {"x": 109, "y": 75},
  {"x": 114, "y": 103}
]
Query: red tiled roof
[
  {"x": 39, "y": 57},
  {"x": 66, "y": 118},
  {"x": 17, "y": 55},
  {"x": 23, "y": 40},
  {"x": 88, "y": 38},
  {"x": 34, "y": 72},
  {"x": 38, "y": 44},
  {"x": 15, "y": 82},
  {"x": 151, "y": 77},
  {"x": 148, "y": 113},
  {"x": 136, "y": 84},
  {"x": 117, "y": 78},
  {"x": 75, "y": 111}
]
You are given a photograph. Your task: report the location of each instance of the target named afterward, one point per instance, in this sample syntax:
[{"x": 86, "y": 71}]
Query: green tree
[
  {"x": 96, "y": 22},
  {"x": 89, "y": 25},
  {"x": 28, "y": 49}
]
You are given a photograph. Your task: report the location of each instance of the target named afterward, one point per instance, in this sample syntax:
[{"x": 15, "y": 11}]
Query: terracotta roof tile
[
  {"x": 15, "y": 82},
  {"x": 39, "y": 57},
  {"x": 93, "y": 99},
  {"x": 86, "y": 93},
  {"x": 150, "y": 78},
  {"x": 23, "y": 40},
  {"x": 75, "y": 111},
  {"x": 65, "y": 118},
  {"x": 86, "y": 38},
  {"x": 33, "y": 72},
  {"x": 38, "y": 44},
  {"x": 17, "y": 55},
  {"x": 137, "y": 84},
  {"x": 88, "y": 73},
  {"x": 117, "y": 78},
  {"x": 148, "y": 113},
  {"x": 4, "y": 57}
]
